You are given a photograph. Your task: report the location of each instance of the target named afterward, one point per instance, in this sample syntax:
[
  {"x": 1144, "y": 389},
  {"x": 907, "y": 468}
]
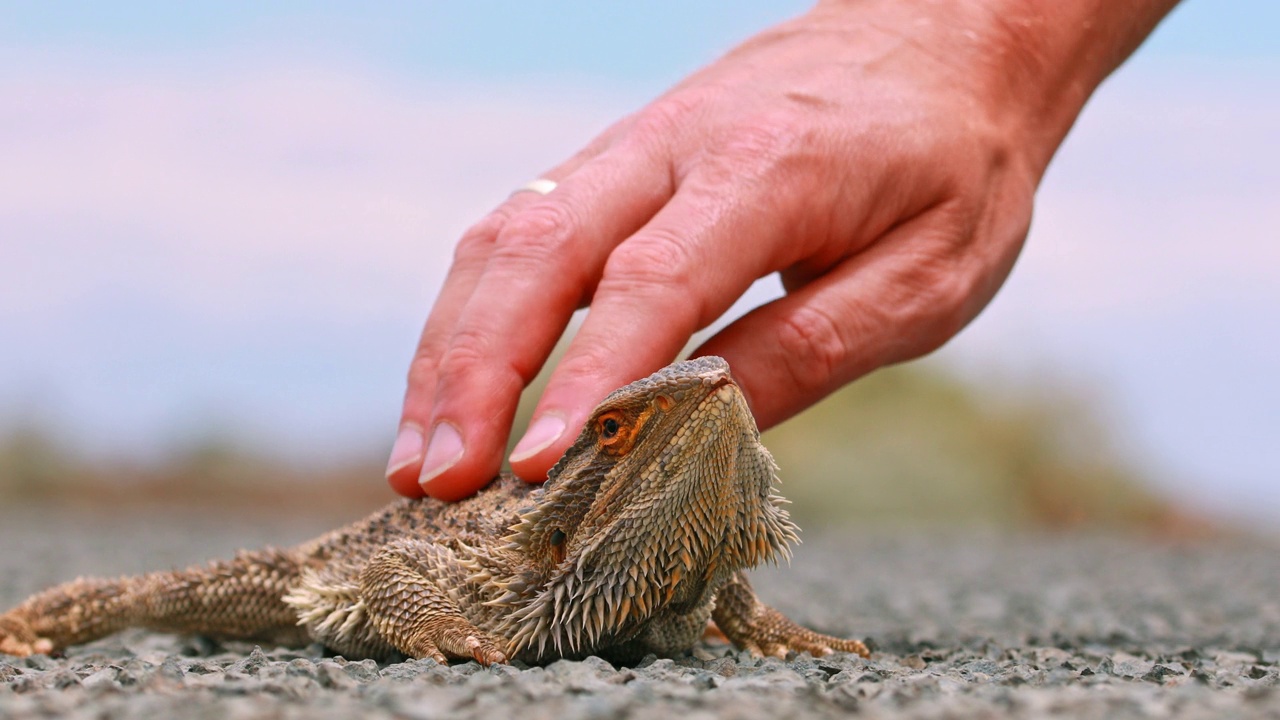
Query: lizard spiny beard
[{"x": 616, "y": 540}]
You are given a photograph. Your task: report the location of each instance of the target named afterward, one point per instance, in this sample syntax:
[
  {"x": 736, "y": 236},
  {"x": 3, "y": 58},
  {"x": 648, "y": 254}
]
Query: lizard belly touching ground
[{"x": 638, "y": 537}]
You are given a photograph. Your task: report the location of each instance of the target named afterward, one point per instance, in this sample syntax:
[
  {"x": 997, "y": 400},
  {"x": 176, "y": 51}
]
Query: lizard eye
[{"x": 610, "y": 427}]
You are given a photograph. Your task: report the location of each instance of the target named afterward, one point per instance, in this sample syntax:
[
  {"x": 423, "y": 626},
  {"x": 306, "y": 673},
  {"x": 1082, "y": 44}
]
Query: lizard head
[{"x": 666, "y": 492}]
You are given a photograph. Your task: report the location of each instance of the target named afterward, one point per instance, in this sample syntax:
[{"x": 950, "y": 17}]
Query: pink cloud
[
  {"x": 1163, "y": 195},
  {"x": 193, "y": 184}
]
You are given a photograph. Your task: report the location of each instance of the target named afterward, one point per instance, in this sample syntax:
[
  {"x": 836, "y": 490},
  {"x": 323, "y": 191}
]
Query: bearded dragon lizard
[{"x": 637, "y": 539}]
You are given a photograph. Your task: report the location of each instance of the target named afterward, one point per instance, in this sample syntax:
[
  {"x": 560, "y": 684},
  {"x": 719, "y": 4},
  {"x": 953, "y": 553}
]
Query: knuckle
[
  {"x": 477, "y": 242},
  {"x": 658, "y": 121},
  {"x": 593, "y": 362},
  {"x": 767, "y": 137},
  {"x": 468, "y": 350},
  {"x": 476, "y": 372},
  {"x": 772, "y": 147},
  {"x": 953, "y": 302},
  {"x": 937, "y": 299},
  {"x": 672, "y": 113},
  {"x": 423, "y": 368},
  {"x": 602, "y": 142},
  {"x": 813, "y": 347},
  {"x": 539, "y": 231},
  {"x": 659, "y": 260}
]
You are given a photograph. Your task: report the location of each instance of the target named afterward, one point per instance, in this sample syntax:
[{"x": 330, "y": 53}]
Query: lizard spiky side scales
[{"x": 638, "y": 538}]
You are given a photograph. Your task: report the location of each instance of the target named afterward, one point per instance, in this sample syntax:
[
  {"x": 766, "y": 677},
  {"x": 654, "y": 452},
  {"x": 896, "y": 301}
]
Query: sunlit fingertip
[
  {"x": 443, "y": 452},
  {"x": 541, "y": 434},
  {"x": 407, "y": 449}
]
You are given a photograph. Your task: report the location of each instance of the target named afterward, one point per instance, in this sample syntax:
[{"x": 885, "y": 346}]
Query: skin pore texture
[{"x": 882, "y": 156}]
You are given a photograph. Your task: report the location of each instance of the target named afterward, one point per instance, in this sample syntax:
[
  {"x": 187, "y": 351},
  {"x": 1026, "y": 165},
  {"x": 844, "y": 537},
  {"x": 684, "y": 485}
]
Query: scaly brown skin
[{"x": 637, "y": 539}]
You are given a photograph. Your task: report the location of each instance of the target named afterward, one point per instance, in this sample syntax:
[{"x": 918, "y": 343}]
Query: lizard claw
[
  {"x": 427, "y": 649},
  {"x": 484, "y": 652},
  {"x": 452, "y": 642},
  {"x": 769, "y": 633},
  {"x": 819, "y": 645},
  {"x": 762, "y": 630},
  {"x": 815, "y": 644}
]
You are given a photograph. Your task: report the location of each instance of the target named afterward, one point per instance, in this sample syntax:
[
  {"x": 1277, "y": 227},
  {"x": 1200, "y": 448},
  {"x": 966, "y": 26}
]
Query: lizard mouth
[
  {"x": 723, "y": 390},
  {"x": 726, "y": 380}
]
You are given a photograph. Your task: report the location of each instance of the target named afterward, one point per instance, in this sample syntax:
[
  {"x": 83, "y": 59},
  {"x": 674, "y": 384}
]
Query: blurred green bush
[{"x": 916, "y": 443}]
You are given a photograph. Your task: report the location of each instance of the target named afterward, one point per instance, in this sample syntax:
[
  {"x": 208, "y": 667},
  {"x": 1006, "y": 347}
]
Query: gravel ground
[{"x": 963, "y": 624}]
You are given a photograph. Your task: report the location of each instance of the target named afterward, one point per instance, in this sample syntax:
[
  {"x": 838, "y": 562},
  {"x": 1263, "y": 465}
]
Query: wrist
[{"x": 1056, "y": 54}]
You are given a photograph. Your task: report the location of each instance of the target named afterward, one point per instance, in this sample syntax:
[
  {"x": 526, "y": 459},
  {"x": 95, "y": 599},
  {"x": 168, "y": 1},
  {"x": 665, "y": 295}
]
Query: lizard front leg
[
  {"x": 762, "y": 630},
  {"x": 412, "y": 592},
  {"x": 235, "y": 598}
]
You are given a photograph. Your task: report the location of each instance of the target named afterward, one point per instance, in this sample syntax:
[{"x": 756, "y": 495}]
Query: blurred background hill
[{"x": 914, "y": 444}]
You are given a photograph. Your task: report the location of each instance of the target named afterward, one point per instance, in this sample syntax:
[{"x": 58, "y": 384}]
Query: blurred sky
[{"x": 235, "y": 215}]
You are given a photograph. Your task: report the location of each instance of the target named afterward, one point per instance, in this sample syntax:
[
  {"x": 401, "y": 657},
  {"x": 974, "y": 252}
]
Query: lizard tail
[
  {"x": 239, "y": 598},
  {"x": 79, "y": 611}
]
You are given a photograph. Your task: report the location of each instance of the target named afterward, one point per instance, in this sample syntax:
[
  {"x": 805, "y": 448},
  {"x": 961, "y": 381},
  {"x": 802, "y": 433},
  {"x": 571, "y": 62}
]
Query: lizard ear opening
[{"x": 556, "y": 540}]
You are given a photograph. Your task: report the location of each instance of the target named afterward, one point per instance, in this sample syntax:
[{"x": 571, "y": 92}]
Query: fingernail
[
  {"x": 407, "y": 449},
  {"x": 544, "y": 431},
  {"x": 443, "y": 452}
]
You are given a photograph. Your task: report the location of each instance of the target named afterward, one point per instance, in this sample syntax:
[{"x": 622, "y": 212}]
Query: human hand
[{"x": 881, "y": 156}]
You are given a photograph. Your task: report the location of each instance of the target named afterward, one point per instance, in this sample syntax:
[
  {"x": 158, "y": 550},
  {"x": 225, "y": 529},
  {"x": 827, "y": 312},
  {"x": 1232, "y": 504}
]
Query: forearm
[
  {"x": 1068, "y": 47},
  {"x": 1041, "y": 59}
]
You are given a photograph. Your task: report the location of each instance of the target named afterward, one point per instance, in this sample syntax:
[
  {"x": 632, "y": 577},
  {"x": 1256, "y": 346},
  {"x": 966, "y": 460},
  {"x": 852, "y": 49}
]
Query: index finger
[
  {"x": 681, "y": 271},
  {"x": 544, "y": 264}
]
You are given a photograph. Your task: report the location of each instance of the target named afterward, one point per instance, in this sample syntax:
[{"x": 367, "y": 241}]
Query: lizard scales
[{"x": 637, "y": 539}]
